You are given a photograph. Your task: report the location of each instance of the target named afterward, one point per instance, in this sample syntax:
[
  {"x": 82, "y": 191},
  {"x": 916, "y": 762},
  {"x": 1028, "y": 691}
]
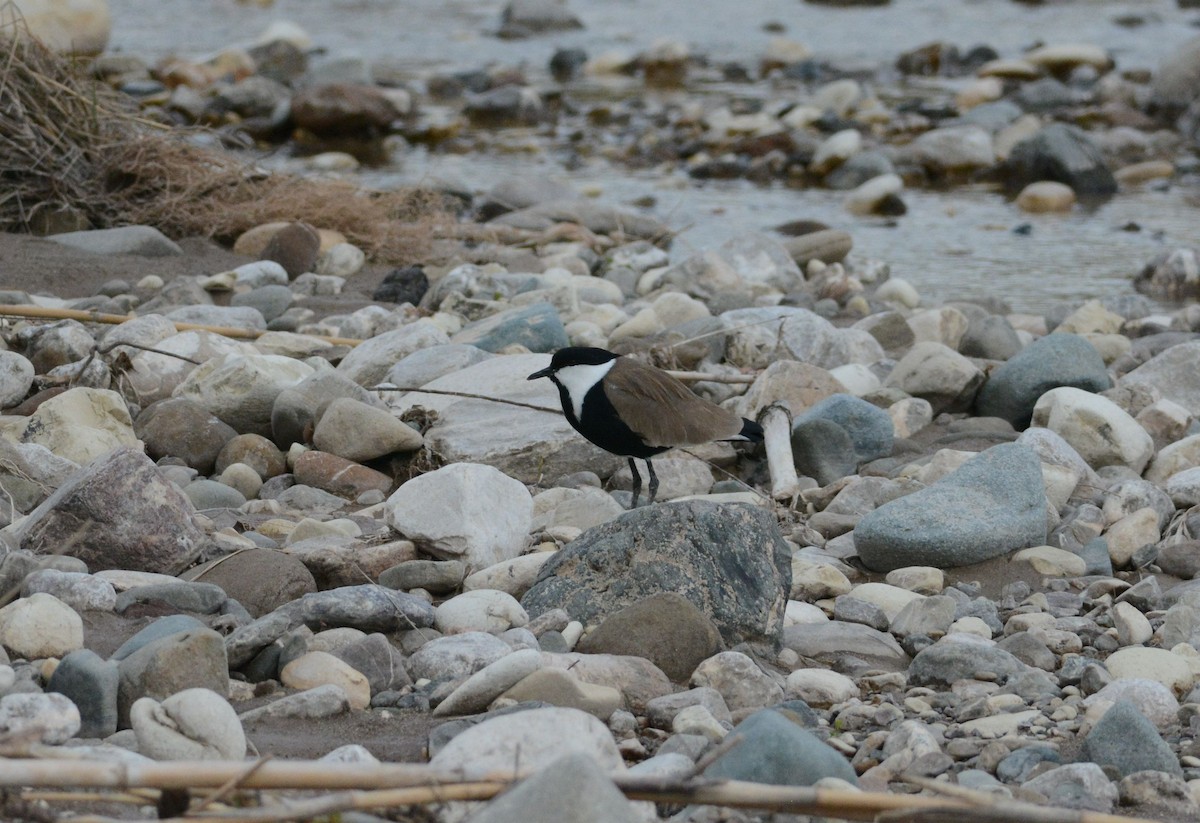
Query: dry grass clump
[{"x": 69, "y": 144}]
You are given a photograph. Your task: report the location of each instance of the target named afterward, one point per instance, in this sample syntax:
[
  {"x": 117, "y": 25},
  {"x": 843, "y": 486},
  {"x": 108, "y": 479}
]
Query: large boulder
[{"x": 730, "y": 561}]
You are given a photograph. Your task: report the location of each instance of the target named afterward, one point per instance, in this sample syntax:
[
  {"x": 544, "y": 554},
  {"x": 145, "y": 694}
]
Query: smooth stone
[
  {"x": 936, "y": 373},
  {"x": 559, "y": 687},
  {"x": 369, "y": 362},
  {"x": 469, "y": 512},
  {"x": 571, "y": 789},
  {"x": 488, "y": 683},
  {"x": 846, "y": 647},
  {"x": 317, "y": 668},
  {"x": 16, "y": 377},
  {"x": 1046, "y": 196},
  {"x": 738, "y": 680},
  {"x": 456, "y": 656},
  {"x": 82, "y": 592},
  {"x": 540, "y": 735},
  {"x": 1161, "y": 665},
  {"x": 666, "y": 629},
  {"x": 314, "y": 704},
  {"x": 81, "y": 424},
  {"x": 870, "y": 427},
  {"x": 1152, "y": 699},
  {"x": 338, "y": 475},
  {"x": 1001, "y": 486},
  {"x": 162, "y": 627},
  {"x": 778, "y": 752},
  {"x": 484, "y": 610},
  {"x": 959, "y": 657},
  {"x": 180, "y": 428},
  {"x": 661, "y": 711},
  {"x": 514, "y": 576},
  {"x": 241, "y": 391},
  {"x": 200, "y": 598},
  {"x": 537, "y": 327},
  {"x": 143, "y": 241},
  {"x": 40, "y": 626},
  {"x": 435, "y": 576},
  {"x": 1125, "y": 740},
  {"x": 1062, "y": 153},
  {"x": 1075, "y": 786},
  {"x": 358, "y": 431},
  {"x": 159, "y": 669},
  {"x": 296, "y": 409},
  {"x": 91, "y": 683},
  {"x": 193, "y": 724},
  {"x": 1102, "y": 432},
  {"x": 426, "y": 365},
  {"x": 820, "y": 688}
]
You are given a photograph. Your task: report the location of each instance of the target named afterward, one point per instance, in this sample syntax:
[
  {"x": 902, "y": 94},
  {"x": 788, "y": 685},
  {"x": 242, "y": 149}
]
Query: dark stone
[
  {"x": 189, "y": 659},
  {"x": 91, "y": 684},
  {"x": 295, "y": 247},
  {"x": 776, "y": 751},
  {"x": 177, "y": 427},
  {"x": 261, "y": 580},
  {"x": 1124, "y": 739},
  {"x": 1063, "y": 153},
  {"x": 1052, "y": 361},
  {"x": 823, "y": 450},
  {"x": 406, "y": 285},
  {"x": 200, "y": 598},
  {"x": 730, "y": 561},
  {"x": 949, "y": 660},
  {"x": 162, "y": 627},
  {"x": 343, "y": 109}
]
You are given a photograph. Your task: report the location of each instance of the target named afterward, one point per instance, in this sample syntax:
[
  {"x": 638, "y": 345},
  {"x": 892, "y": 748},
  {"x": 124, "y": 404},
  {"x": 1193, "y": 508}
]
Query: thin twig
[{"x": 222, "y": 791}]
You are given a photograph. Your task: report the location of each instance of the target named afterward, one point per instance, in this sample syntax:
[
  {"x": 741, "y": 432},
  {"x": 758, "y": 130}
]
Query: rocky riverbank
[{"x": 301, "y": 503}]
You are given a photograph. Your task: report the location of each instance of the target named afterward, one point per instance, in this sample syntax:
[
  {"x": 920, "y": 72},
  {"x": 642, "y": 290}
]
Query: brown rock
[
  {"x": 177, "y": 427},
  {"x": 343, "y": 109},
  {"x": 295, "y": 247},
  {"x": 337, "y": 475},
  {"x": 666, "y": 629},
  {"x": 262, "y": 580},
  {"x": 189, "y": 659},
  {"x": 255, "y": 451}
]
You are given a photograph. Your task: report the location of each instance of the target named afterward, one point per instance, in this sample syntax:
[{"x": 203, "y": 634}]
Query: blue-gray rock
[
  {"x": 378, "y": 660},
  {"x": 1096, "y": 558},
  {"x": 730, "y": 561},
  {"x": 427, "y": 365},
  {"x": 270, "y": 301},
  {"x": 368, "y": 607},
  {"x": 162, "y": 627},
  {"x": 1059, "y": 359},
  {"x": 236, "y": 317},
  {"x": 574, "y": 789},
  {"x": 144, "y": 241},
  {"x": 200, "y": 598},
  {"x": 1125, "y": 739},
  {"x": 823, "y": 450},
  {"x": 953, "y": 659},
  {"x": 870, "y": 427},
  {"x": 1063, "y": 153},
  {"x": 993, "y": 504},
  {"x": 991, "y": 337},
  {"x": 90, "y": 682},
  {"x": 1017, "y": 766},
  {"x": 858, "y": 169},
  {"x": 776, "y": 751},
  {"x": 537, "y": 327}
]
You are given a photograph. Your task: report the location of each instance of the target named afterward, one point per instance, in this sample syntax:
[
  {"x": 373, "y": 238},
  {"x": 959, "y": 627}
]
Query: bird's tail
[{"x": 750, "y": 431}]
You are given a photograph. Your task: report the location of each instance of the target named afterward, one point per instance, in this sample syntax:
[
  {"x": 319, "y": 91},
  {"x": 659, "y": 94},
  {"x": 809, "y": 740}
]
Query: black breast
[{"x": 602, "y": 426}]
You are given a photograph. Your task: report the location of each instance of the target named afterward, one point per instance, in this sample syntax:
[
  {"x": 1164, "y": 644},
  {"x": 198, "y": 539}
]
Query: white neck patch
[{"x": 578, "y": 381}]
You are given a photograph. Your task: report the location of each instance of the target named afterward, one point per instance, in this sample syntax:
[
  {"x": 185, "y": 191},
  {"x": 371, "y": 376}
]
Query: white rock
[
  {"x": 194, "y": 724},
  {"x": 83, "y": 592},
  {"x": 1130, "y": 533},
  {"x": 358, "y": 431},
  {"x": 739, "y": 680},
  {"x": 865, "y": 199},
  {"x": 971, "y": 625},
  {"x": 820, "y": 687},
  {"x": 39, "y": 626},
  {"x": 342, "y": 260},
  {"x": 488, "y": 683},
  {"x": 1152, "y": 698},
  {"x": 836, "y": 149},
  {"x": 919, "y": 579},
  {"x": 482, "y": 610},
  {"x": 536, "y": 737},
  {"x": 153, "y": 376},
  {"x": 1184, "y": 488},
  {"x": 1174, "y": 458},
  {"x": 581, "y": 508},
  {"x": 52, "y": 716},
  {"x": 945, "y": 325},
  {"x": 16, "y": 376},
  {"x": 463, "y": 511},
  {"x": 910, "y": 415},
  {"x": 369, "y": 362},
  {"x": 514, "y": 576},
  {"x": 797, "y": 613},
  {"x": 1161, "y": 665},
  {"x": 891, "y": 599},
  {"x": 1133, "y": 629},
  {"x": 1000, "y": 725},
  {"x": 68, "y": 26},
  {"x": 1101, "y": 431},
  {"x": 1052, "y": 562},
  {"x": 697, "y": 719},
  {"x": 81, "y": 424},
  {"x": 955, "y": 148}
]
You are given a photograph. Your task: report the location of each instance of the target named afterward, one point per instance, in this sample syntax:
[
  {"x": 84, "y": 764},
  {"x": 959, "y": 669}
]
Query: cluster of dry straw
[{"x": 69, "y": 144}]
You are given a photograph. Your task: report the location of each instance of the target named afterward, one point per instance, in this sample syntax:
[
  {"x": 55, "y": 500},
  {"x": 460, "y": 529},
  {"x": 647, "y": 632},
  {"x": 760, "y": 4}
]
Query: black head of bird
[{"x": 634, "y": 410}]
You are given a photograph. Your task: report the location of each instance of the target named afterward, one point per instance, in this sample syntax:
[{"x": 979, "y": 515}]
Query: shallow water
[{"x": 953, "y": 245}]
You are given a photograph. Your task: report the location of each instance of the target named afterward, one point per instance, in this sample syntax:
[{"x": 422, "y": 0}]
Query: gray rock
[
  {"x": 269, "y": 301},
  {"x": 329, "y": 700},
  {"x": 242, "y": 390},
  {"x": 870, "y": 428},
  {"x": 955, "y": 658},
  {"x": 29, "y": 473},
  {"x": 360, "y": 431},
  {"x": 90, "y": 682},
  {"x": 858, "y": 169},
  {"x": 143, "y": 241},
  {"x": 1029, "y": 650},
  {"x": 82, "y": 592},
  {"x": 778, "y": 752},
  {"x": 524, "y": 18},
  {"x": 1172, "y": 274},
  {"x": 48, "y": 718},
  {"x": 1177, "y": 79},
  {"x": 200, "y": 598},
  {"x": 992, "y": 504},
  {"x": 1124, "y": 739},
  {"x": 537, "y": 327},
  {"x": 938, "y": 374},
  {"x": 846, "y": 647},
  {"x": 234, "y": 317},
  {"x": 928, "y": 616},
  {"x": 823, "y": 450},
  {"x": 730, "y": 561},
  {"x": 176, "y": 427},
  {"x": 1059, "y": 359},
  {"x": 261, "y": 580},
  {"x": 512, "y": 193},
  {"x": 596, "y": 217},
  {"x": 426, "y": 365},
  {"x": 377, "y": 660},
  {"x": 368, "y": 363},
  {"x": 194, "y": 658},
  {"x": 16, "y": 376},
  {"x": 456, "y": 656},
  {"x": 662, "y": 710},
  {"x": 826, "y": 245},
  {"x": 1171, "y": 373},
  {"x": 990, "y": 337},
  {"x": 1063, "y": 153},
  {"x": 210, "y": 494},
  {"x": 296, "y": 409},
  {"x": 1096, "y": 557},
  {"x": 665, "y": 628},
  {"x": 435, "y": 576},
  {"x": 1016, "y": 767},
  {"x": 116, "y": 513},
  {"x": 572, "y": 789},
  {"x": 1076, "y": 786}
]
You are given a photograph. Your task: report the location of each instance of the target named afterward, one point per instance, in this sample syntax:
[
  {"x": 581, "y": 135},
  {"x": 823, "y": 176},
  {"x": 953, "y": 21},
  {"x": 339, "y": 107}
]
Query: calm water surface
[{"x": 952, "y": 245}]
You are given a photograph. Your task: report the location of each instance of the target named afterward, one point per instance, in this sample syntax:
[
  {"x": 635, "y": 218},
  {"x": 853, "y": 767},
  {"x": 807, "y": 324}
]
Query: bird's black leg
[
  {"x": 653, "y": 480},
  {"x": 637, "y": 483}
]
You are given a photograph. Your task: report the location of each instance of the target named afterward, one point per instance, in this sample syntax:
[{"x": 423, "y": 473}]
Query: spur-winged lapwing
[{"x": 634, "y": 410}]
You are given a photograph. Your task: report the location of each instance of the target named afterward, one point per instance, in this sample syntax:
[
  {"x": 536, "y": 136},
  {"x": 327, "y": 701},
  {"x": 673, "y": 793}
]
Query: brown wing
[{"x": 663, "y": 411}]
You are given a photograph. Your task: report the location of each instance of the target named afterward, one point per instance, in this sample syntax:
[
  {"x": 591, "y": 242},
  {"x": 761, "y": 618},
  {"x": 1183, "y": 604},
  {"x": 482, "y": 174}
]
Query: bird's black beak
[{"x": 546, "y": 372}]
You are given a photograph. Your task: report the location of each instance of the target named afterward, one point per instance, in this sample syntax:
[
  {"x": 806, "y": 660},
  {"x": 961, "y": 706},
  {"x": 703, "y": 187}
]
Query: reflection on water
[{"x": 955, "y": 245}]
